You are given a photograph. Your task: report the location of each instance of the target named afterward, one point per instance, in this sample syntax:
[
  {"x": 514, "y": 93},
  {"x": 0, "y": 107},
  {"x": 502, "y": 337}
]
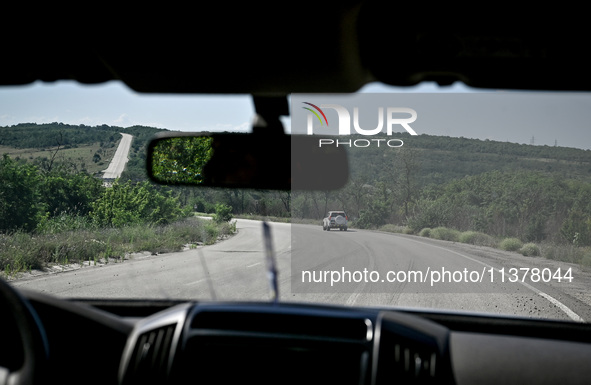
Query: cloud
[
  {"x": 123, "y": 120},
  {"x": 6, "y": 120},
  {"x": 244, "y": 127}
]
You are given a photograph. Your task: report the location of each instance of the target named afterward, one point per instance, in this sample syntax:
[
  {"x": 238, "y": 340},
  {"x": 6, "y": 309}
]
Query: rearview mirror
[{"x": 254, "y": 161}]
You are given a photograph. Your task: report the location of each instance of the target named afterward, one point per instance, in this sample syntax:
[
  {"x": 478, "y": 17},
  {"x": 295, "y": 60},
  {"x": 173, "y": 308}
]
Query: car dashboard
[{"x": 179, "y": 342}]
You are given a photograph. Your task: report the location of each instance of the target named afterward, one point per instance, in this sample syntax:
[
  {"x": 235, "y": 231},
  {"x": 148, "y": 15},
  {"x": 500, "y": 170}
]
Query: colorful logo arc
[{"x": 314, "y": 112}]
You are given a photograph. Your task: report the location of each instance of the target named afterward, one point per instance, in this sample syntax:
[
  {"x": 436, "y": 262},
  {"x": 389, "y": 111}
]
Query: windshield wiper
[{"x": 271, "y": 264}]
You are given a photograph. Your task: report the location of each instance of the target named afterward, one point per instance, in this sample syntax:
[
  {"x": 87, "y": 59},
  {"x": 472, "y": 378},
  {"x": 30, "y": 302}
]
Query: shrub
[
  {"x": 210, "y": 233},
  {"x": 227, "y": 228},
  {"x": 586, "y": 259},
  {"x": 445, "y": 234},
  {"x": 477, "y": 238},
  {"x": 530, "y": 250},
  {"x": 136, "y": 203},
  {"x": 557, "y": 252},
  {"x": 510, "y": 244},
  {"x": 223, "y": 213},
  {"x": 407, "y": 230},
  {"x": 431, "y": 213},
  {"x": 21, "y": 251},
  {"x": 374, "y": 216},
  {"x": 426, "y": 232},
  {"x": 65, "y": 221}
]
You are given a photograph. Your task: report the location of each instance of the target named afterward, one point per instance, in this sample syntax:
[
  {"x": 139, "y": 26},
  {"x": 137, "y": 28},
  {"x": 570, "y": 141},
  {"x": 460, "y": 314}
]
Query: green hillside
[
  {"x": 503, "y": 189},
  {"x": 76, "y": 148},
  {"x": 442, "y": 159}
]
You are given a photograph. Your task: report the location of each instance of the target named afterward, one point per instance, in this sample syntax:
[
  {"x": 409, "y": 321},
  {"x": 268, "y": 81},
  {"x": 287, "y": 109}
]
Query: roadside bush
[
  {"x": 477, "y": 238},
  {"x": 586, "y": 259},
  {"x": 557, "y": 252},
  {"x": 17, "y": 252},
  {"x": 201, "y": 205},
  {"x": 510, "y": 244},
  {"x": 374, "y": 216},
  {"x": 426, "y": 232},
  {"x": 65, "y": 221},
  {"x": 21, "y": 251},
  {"x": 210, "y": 233},
  {"x": 445, "y": 234},
  {"x": 131, "y": 203},
  {"x": 432, "y": 213},
  {"x": 530, "y": 250},
  {"x": 223, "y": 213},
  {"x": 227, "y": 228}
]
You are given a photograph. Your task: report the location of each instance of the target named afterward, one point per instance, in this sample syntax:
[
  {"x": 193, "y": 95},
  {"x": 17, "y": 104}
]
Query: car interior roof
[{"x": 287, "y": 48}]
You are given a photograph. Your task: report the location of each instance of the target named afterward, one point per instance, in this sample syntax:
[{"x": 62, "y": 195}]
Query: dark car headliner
[{"x": 327, "y": 46}]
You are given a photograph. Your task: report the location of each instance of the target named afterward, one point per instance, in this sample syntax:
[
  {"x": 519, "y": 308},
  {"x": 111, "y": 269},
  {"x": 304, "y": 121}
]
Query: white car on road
[{"x": 335, "y": 220}]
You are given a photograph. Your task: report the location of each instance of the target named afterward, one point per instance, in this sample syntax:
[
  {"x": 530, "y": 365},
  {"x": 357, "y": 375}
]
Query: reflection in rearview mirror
[
  {"x": 256, "y": 161},
  {"x": 181, "y": 160}
]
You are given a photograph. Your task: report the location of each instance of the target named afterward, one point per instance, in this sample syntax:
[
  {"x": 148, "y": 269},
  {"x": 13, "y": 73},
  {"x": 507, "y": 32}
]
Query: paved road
[
  {"x": 357, "y": 251},
  {"x": 120, "y": 159},
  {"x": 235, "y": 269}
]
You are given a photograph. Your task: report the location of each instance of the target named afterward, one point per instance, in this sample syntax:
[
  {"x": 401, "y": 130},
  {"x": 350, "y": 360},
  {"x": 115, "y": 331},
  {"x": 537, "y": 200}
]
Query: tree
[
  {"x": 375, "y": 215},
  {"x": 407, "y": 166},
  {"x": 21, "y": 206},
  {"x": 71, "y": 193},
  {"x": 285, "y": 198},
  {"x": 134, "y": 203},
  {"x": 357, "y": 192}
]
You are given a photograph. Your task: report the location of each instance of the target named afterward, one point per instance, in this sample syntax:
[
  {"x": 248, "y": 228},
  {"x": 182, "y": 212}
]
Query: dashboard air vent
[
  {"x": 410, "y": 350},
  {"x": 150, "y": 357}
]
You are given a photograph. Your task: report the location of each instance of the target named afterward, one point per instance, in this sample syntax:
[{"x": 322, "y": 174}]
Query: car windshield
[{"x": 463, "y": 199}]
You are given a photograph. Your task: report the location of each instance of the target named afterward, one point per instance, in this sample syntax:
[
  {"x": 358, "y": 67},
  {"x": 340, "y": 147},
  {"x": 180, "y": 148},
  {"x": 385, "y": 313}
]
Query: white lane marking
[
  {"x": 571, "y": 314},
  {"x": 574, "y": 316},
  {"x": 254, "y": 264},
  {"x": 352, "y": 299}
]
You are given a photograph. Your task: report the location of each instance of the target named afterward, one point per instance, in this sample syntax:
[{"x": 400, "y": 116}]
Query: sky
[{"x": 542, "y": 118}]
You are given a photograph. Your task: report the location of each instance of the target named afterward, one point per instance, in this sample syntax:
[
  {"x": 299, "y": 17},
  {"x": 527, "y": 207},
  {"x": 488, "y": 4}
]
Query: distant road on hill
[{"x": 119, "y": 160}]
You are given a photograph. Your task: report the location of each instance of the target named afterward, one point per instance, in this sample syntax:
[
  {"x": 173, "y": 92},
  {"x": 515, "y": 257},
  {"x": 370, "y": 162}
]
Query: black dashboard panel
[
  {"x": 186, "y": 342},
  {"x": 273, "y": 344},
  {"x": 486, "y": 359},
  {"x": 269, "y": 343}
]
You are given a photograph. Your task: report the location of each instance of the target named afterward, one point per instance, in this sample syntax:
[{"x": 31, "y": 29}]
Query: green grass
[
  {"x": 22, "y": 251},
  {"x": 83, "y": 154}
]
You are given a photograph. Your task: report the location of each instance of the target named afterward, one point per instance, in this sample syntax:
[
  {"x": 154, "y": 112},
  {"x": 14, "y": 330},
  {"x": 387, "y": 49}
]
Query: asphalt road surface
[
  {"x": 235, "y": 269},
  {"x": 120, "y": 159}
]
